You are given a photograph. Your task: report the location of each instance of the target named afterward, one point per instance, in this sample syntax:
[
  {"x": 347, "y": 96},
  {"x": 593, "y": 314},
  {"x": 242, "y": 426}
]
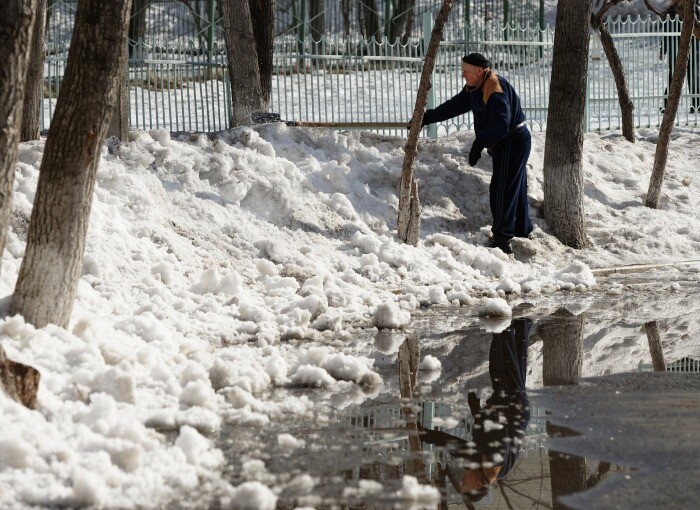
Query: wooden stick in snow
[{"x": 409, "y": 206}]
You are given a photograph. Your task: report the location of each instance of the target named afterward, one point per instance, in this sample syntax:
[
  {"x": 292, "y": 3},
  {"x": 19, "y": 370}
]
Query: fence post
[
  {"x": 427, "y": 32},
  {"x": 210, "y": 30}
]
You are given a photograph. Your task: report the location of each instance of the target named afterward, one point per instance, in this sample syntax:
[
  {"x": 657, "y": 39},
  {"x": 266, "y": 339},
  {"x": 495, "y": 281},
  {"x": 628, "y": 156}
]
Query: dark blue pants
[{"x": 508, "y": 188}]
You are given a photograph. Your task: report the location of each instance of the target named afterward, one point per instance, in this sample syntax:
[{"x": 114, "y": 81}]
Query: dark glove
[
  {"x": 475, "y": 154},
  {"x": 474, "y": 403},
  {"x": 423, "y": 123}
]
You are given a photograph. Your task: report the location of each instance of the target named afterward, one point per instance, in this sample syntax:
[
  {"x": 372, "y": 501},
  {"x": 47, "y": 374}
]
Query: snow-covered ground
[{"x": 211, "y": 262}]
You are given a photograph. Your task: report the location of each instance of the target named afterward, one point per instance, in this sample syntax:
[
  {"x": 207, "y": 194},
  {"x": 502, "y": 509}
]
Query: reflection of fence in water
[{"x": 388, "y": 419}]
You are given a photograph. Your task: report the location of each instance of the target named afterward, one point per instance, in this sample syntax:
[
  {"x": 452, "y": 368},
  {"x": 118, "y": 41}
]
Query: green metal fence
[{"x": 184, "y": 87}]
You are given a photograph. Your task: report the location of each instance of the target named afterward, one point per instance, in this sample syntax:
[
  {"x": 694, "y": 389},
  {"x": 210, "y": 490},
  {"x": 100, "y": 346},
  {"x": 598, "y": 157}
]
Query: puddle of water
[{"x": 469, "y": 431}]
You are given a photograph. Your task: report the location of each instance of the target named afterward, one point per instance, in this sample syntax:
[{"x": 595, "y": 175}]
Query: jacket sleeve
[
  {"x": 498, "y": 114},
  {"x": 458, "y": 105}
]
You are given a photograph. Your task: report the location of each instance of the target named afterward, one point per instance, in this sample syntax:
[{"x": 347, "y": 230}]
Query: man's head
[{"x": 474, "y": 67}]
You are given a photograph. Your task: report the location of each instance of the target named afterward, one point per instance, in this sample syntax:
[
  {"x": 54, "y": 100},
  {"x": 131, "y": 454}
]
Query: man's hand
[{"x": 475, "y": 154}]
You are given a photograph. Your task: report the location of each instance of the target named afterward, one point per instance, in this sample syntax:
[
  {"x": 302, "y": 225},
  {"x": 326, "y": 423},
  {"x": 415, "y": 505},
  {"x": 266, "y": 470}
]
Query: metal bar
[{"x": 358, "y": 125}]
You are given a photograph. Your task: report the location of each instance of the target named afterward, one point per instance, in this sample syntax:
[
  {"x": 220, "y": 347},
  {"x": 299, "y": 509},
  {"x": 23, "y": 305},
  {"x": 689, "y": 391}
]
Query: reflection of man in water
[{"x": 499, "y": 425}]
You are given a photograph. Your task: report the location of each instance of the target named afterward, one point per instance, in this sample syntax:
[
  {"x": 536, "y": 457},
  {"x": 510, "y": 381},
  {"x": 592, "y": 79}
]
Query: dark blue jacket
[{"x": 493, "y": 119}]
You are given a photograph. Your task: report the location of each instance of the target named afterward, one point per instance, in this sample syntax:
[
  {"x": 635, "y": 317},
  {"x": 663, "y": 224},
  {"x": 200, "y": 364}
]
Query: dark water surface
[{"x": 357, "y": 451}]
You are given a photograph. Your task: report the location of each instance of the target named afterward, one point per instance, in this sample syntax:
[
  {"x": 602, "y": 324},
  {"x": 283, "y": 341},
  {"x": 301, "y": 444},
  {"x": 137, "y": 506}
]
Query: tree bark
[
  {"x": 53, "y": 259},
  {"x": 18, "y": 381},
  {"x": 562, "y": 348},
  {"x": 317, "y": 18},
  {"x": 16, "y": 23},
  {"x": 655, "y": 349},
  {"x": 246, "y": 91},
  {"x": 674, "y": 96},
  {"x": 563, "y": 154},
  {"x": 568, "y": 472},
  {"x": 119, "y": 124},
  {"x": 34, "y": 91},
  {"x": 137, "y": 21},
  {"x": 262, "y": 13},
  {"x": 623, "y": 94},
  {"x": 562, "y": 361},
  {"x": 345, "y": 8},
  {"x": 409, "y": 208},
  {"x": 370, "y": 19}
]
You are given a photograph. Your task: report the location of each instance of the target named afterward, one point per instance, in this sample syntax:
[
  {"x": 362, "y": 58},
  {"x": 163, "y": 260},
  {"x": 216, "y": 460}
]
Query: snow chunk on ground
[
  {"x": 421, "y": 496},
  {"x": 430, "y": 364},
  {"x": 495, "y": 307},
  {"x": 389, "y": 316},
  {"x": 252, "y": 496}
]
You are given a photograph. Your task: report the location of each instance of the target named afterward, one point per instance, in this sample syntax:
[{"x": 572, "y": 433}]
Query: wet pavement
[{"x": 585, "y": 402}]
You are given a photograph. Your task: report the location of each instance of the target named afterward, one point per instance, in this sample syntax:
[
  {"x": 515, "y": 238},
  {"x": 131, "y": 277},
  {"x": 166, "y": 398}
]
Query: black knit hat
[{"x": 476, "y": 59}]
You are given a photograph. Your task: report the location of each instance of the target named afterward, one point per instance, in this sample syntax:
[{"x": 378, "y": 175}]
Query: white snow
[{"x": 212, "y": 262}]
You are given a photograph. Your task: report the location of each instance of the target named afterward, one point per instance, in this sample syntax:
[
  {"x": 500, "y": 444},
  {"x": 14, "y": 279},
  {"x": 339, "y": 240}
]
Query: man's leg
[
  {"x": 523, "y": 223},
  {"x": 508, "y": 189}
]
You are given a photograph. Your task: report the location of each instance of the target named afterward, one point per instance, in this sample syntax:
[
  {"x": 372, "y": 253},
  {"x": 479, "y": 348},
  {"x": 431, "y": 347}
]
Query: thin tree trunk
[
  {"x": 16, "y": 23},
  {"x": 53, "y": 259},
  {"x": 317, "y": 17},
  {"x": 119, "y": 124},
  {"x": 674, "y": 96},
  {"x": 623, "y": 94},
  {"x": 408, "y": 360},
  {"x": 137, "y": 22},
  {"x": 409, "y": 207},
  {"x": 18, "y": 381},
  {"x": 563, "y": 154},
  {"x": 410, "y": 16},
  {"x": 655, "y": 349},
  {"x": 370, "y": 18},
  {"x": 34, "y": 91},
  {"x": 345, "y": 8},
  {"x": 244, "y": 72},
  {"x": 262, "y": 13}
]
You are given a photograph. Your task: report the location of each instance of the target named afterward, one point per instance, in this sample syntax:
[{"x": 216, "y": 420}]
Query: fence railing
[{"x": 185, "y": 87}]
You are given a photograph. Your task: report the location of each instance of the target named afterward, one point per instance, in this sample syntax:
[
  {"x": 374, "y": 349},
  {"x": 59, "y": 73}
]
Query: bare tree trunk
[
  {"x": 18, "y": 381},
  {"x": 562, "y": 348},
  {"x": 562, "y": 361},
  {"x": 655, "y": 349},
  {"x": 345, "y": 7},
  {"x": 623, "y": 94},
  {"x": 119, "y": 124},
  {"x": 246, "y": 91},
  {"x": 563, "y": 154},
  {"x": 137, "y": 20},
  {"x": 34, "y": 91},
  {"x": 53, "y": 258},
  {"x": 409, "y": 207},
  {"x": 568, "y": 472},
  {"x": 674, "y": 96},
  {"x": 317, "y": 17},
  {"x": 370, "y": 19},
  {"x": 262, "y": 13},
  {"x": 16, "y": 23},
  {"x": 408, "y": 361},
  {"x": 410, "y": 17}
]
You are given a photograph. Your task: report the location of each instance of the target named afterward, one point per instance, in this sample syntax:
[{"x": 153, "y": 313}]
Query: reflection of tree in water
[{"x": 533, "y": 480}]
